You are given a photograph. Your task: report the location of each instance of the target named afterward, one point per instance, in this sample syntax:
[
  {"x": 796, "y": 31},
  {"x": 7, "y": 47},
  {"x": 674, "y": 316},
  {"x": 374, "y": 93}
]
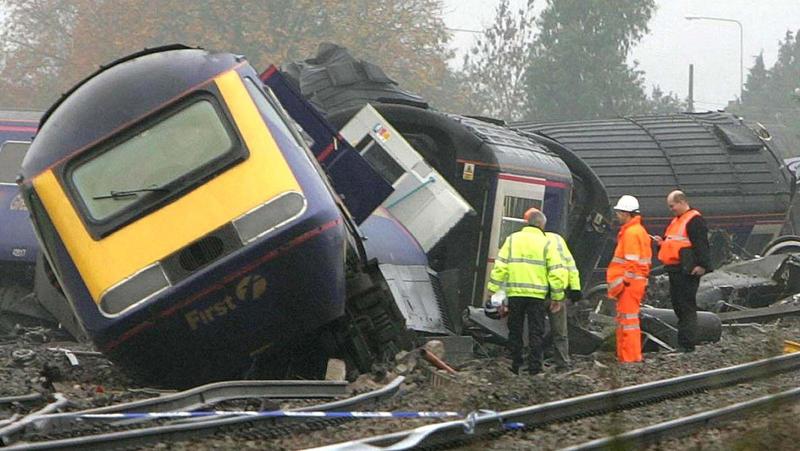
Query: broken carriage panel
[
  {"x": 472, "y": 154},
  {"x": 752, "y": 283},
  {"x": 740, "y": 187},
  {"x": 360, "y": 187},
  {"x": 415, "y": 288},
  {"x": 423, "y": 201},
  {"x": 499, "y": 172}
]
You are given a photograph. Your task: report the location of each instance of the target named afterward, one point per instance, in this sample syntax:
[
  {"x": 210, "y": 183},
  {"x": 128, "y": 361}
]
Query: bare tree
[{"x": 495, "y": 66}]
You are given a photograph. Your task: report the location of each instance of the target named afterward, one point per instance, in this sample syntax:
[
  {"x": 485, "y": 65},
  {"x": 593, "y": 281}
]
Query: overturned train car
[
  {"x": 499, "y": 171},
  {"x": 729, "y": 170},
  {"x": 192, "y": 231}
]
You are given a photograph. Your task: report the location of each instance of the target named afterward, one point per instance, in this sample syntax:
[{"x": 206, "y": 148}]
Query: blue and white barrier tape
[{"x": 271, "y": 413}]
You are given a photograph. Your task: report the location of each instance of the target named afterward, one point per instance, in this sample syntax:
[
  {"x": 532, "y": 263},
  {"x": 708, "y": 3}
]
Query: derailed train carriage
[
  {"x": 192, "y": 232},
  {"x": 728, "y": 168},
  {"x": 197, "y": 236},
  {"x": 499, "y": 171}
]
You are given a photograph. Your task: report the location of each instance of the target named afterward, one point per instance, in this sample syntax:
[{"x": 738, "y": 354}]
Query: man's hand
[
  {"x": 698, "y": 271},
  {"x": 657, "y": 239},
  {"x": 502, "y": 310},
  {"x": 555, "y": 306}
]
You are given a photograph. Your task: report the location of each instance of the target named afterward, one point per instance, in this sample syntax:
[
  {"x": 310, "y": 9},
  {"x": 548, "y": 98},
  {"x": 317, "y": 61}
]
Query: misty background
[{"x": 540, "y": 60}]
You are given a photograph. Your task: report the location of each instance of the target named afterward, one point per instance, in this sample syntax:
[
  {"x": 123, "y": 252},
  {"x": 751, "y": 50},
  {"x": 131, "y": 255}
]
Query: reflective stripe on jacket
[
  {"x": 574, "y": 277},
  {"x": 632, "y": 257},
  {"x": 528, "y": 267},
  {"x": 676, "y": 238}
]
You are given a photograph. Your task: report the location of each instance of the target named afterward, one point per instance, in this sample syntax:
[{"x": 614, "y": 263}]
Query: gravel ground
[{"x": 483, "y": 383}]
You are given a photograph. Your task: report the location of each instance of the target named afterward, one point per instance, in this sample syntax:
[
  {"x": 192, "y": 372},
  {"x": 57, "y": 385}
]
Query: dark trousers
[
  {"x": 683, "y": 292},
  {"x": 535, "y": 310}
]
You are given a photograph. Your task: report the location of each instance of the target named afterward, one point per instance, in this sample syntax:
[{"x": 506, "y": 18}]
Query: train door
[
  {"x": 514, "y": 195},
  {"x": 423, "y": 201}
]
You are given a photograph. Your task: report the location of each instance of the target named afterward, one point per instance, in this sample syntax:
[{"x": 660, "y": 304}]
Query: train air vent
[{"x": 201, "y": 253}]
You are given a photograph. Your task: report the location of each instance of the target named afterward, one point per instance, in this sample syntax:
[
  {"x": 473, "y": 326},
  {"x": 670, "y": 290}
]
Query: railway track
[
  {"x": 638, "y": 438},
  {"x": 485, "y": 424},
  {"x": 43, "y": 430}
]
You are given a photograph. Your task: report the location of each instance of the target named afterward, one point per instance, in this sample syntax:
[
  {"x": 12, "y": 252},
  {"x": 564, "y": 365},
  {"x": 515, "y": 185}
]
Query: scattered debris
[
  {"x": 22, "y": 356},
  {"x": 790, "y": 346},
  {"x": 336, "y": 370},
  {"x": 436, "y": 361}
]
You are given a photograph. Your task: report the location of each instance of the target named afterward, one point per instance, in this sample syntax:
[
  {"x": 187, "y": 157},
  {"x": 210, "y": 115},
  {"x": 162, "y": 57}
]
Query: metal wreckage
[{"x": 322, "y": 211}]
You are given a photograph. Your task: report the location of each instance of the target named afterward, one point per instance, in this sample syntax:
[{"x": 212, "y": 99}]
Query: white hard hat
[{"x": 627, "y": 203}]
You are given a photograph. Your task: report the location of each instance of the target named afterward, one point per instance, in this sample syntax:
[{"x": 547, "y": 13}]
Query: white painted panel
[{"x": 423, "y": 201}]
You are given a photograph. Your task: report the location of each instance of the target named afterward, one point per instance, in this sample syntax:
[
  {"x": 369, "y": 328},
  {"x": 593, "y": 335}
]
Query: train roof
[
  {"x": 513, "y": 152},
  {"x": 119, "y": 94},
  {"x": 715, "y": 158}
]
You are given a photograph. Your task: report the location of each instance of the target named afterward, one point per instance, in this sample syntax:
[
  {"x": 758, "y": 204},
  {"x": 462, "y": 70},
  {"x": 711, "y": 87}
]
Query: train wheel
[
  {"x": 787, "y": 244},
  {"x": 373, "y": 329}
]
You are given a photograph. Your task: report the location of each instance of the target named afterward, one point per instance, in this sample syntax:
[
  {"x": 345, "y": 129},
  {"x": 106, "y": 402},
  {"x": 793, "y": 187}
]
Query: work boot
[
  {"x": 685, "y": 349},
  {"x": 515, "y": 368}
]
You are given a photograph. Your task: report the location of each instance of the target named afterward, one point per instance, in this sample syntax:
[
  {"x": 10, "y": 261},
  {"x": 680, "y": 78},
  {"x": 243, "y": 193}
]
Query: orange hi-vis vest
[
  {"x": 632, "y": 257},
  {"x": 676, "y": 238}
]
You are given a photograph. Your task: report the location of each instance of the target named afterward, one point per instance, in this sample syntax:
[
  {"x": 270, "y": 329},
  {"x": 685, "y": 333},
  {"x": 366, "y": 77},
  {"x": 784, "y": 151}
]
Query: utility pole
[
  {"x": 741, "y": 46},
  {"x": 690, "y": 100}
]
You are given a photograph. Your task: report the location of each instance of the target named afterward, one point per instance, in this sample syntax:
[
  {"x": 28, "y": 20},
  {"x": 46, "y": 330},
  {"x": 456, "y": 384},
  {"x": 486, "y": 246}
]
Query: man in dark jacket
[{"x": 684, "y": 251}]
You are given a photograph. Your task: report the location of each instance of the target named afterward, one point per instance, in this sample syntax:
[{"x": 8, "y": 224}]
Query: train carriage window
[
  {"x": 163, "y": 154},
  {"x": 11, "y": 155},
  {"x": 380, "y": 160},
  {"x": 514, "y": 209}
]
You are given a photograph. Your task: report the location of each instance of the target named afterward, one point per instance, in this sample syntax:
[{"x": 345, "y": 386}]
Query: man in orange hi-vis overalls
[{"x": 627, "y": 277}]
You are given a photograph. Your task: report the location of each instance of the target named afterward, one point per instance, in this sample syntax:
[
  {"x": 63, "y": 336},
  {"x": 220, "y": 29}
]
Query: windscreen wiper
[{"x": 126, "y": 194}]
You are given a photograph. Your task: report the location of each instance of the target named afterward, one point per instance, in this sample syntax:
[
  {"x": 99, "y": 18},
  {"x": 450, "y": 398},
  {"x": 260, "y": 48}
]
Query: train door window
[
  {"x": 381, "y": 161},
  {"x": 514, "y": 195},
  {"x": 512, "y": 220},
  {"x": 11, "y": 155}
]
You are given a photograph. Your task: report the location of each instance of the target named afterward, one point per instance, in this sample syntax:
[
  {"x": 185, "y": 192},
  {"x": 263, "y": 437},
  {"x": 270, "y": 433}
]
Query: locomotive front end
[{"x": 184, "y": 218}]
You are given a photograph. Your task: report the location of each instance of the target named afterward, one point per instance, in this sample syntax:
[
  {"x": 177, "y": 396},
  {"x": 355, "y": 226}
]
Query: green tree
[
  {"x": 756, "y": 80},
  {"x": 660, "y": 102},
  {"x": 51, "y": 44},
  {"x": 494, "y": 68},
  {"x": 578, "y": 67},
  {"x": 771, "y": 95}
]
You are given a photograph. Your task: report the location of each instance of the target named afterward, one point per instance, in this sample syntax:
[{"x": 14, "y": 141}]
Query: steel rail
[
  {"x": 189, "y": 400},
  {"x": 638, "y": 438},
  {"x": 60, "y": 401},
  {"x": 192, "y": 430},
  {"x": 21, "y": 398},
  {"x": 759, "y": 314},
  {"x": 591, "y": 404}
]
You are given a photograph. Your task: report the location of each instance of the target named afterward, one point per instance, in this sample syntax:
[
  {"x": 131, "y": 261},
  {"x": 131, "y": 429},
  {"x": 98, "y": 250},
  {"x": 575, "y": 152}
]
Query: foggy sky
[{"x": 674, "y": 42}]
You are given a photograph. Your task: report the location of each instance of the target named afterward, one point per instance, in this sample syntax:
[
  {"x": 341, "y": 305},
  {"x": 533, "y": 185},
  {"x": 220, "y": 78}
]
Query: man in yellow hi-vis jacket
[
  {"x": 530, "y": 269},
  {"x": 558, "y": 319}
]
